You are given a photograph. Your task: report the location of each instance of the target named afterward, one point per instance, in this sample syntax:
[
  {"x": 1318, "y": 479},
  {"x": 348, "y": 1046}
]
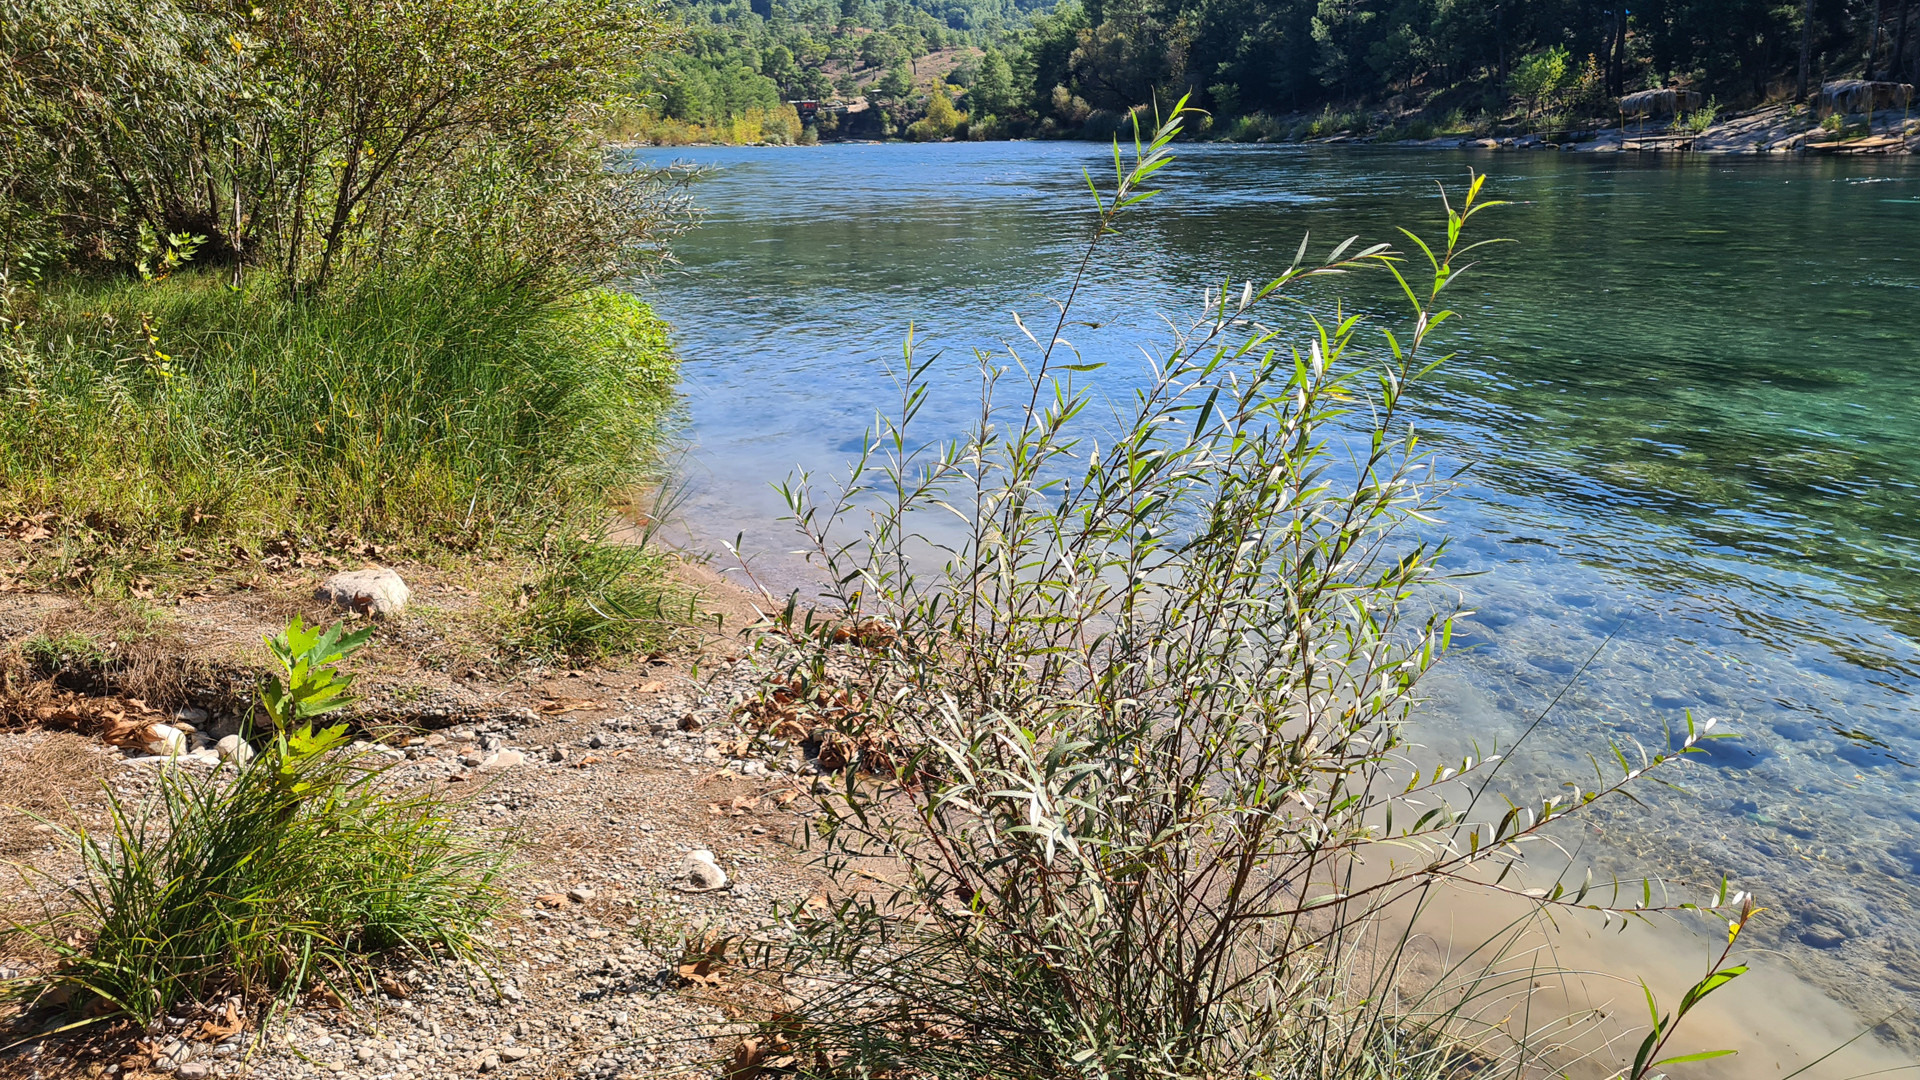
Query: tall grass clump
[
  {"x": 447, "y": 401},
  {"x": 295, "y": 869},
  {"x": 1123, "y": 680}
]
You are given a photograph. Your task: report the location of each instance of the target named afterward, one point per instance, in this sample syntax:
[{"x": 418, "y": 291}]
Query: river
[{"x": 1687, "y": 398}]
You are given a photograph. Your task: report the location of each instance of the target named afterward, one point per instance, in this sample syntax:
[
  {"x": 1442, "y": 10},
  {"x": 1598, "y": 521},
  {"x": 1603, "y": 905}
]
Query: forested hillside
[{"x": 1007, "y": 69}]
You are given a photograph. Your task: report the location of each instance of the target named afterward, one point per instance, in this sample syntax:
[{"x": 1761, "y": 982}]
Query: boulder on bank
[{"x": 375, "y": 591}]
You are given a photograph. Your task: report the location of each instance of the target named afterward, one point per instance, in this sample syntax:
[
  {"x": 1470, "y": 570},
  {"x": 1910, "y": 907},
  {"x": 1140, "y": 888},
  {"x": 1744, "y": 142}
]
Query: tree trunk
[
  {"x": 1617, "y": 64},
  {"x": 1806, "y": 48},
  {"x": 1898, "y": 67},
  {"x": 1873, "y": 46},
  {"x": 1500, "y": 34}
]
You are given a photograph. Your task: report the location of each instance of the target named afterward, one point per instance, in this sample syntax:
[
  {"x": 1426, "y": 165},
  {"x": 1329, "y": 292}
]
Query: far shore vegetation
[{"x": 1261, "y": 70}]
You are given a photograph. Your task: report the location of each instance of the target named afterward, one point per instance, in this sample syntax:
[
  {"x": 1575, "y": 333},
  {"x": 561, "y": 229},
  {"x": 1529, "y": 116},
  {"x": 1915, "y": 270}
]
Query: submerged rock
[{"x": 377, "y": 591}]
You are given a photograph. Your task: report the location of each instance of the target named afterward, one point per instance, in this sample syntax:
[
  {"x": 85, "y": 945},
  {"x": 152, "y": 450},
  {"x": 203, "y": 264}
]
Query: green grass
[
  {"x": 451, "y": 403},
  {"x": 168, "y": 430},
  {"x": 594, "y": 600},
  {"x": 49, "y": 653}
]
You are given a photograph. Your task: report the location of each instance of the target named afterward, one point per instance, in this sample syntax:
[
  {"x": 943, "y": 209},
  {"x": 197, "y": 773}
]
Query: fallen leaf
[
  {"x": 214, "y": 1031},
  {"x": 556, "y": 706},
  {"x": 746, "y": 1060},
  {"x": 703, "y": 972}
]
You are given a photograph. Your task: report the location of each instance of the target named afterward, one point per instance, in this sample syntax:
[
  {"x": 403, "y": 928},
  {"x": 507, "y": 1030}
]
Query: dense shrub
[{"x": 310, "y": 135}]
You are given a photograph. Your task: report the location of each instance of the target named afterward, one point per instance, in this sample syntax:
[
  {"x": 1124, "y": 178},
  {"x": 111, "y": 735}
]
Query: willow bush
[{"x": 1129, "y": 738}]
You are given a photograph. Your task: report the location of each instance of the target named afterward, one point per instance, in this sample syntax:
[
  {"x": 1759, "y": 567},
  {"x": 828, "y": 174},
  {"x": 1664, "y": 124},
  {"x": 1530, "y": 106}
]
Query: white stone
[
  {"x": 702, "y": 872},
  {"x": 165, "y": 740},
  {"x": 505, "y": 759},
  {"x": 377, "y": 591},
  {"x": 235, "y": 749},
  {"x": 190, "y": 716}
]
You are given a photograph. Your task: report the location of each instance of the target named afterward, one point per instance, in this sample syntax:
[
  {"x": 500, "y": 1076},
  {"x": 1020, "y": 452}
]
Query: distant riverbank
[{"x": 1777, "y": 130}]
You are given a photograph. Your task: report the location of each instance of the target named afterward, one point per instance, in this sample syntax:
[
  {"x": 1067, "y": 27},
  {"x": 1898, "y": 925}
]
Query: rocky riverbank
[
  {"x": 1776, "y": 130},
  {"x": 645, "y": 822}
]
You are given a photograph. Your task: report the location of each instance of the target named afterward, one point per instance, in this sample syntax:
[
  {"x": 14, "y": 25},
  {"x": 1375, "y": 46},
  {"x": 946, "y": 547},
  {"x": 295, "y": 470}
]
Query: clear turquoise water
[{"x": 1688, "y": 398}]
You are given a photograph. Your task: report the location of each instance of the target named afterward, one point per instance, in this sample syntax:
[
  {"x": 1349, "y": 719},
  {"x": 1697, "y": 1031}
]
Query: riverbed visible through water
[{"x": 1689, "y": 398}]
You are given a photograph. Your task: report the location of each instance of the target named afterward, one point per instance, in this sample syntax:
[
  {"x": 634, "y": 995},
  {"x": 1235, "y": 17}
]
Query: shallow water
[{"x": 1687, "y": 396}]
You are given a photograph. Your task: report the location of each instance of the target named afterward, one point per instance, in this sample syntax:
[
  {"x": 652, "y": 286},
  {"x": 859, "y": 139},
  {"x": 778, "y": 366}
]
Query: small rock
[
  {"x": 488, "y": 1062},
  {"x": 595, "y": 742},
  {"x": 471, "y": 760},
  {"x": 690, "y": 722},
  {"x": 579, "y": 894},
  {"x": 558, "y": 753},
  {"x": 702, "y": 872},
  {"x": 514, "y": 1053},
  {"x": 378, "y": 592},
  {"x": 1823, "y": 936},
  {"x": 235, "y": 749},
  {"x": 505, "y": 759},
  {"x": 165, "y": 740},
  {"x": 363, "y": 1053},
  {"x": 194, "y": 1070},
  {"x": 190, "y": 716}
]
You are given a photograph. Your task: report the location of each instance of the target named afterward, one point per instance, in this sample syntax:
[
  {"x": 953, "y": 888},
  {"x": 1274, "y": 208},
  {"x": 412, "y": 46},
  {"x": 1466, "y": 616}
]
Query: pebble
[
  {"x": 702, "y": 871},
  {"x": 235, "y": 749},
  {"x": 165, "y": 740},
  {"x": 505, "y": 759},
  {"x": 580, "y": 894}
]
